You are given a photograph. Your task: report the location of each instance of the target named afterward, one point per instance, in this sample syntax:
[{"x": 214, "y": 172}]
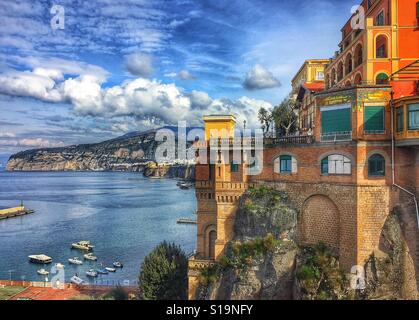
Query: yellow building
[{"x": 311, "y": 71}]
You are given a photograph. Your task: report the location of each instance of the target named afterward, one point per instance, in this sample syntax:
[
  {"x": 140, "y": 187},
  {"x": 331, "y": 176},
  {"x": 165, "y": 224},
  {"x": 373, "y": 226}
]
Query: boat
[
  {"x": 75, "y": 260},
  {"x": 83, "y": 245},
  {"x": 90, "y": 257},
  {"x": 91, "y": 273},
  {"x": 118, "y": 264},
  {"x": 184, "y": 186},
  {"x": 40, "y": 258},
  {"x": 110, "y": 269},
  {"x": 76, "y": 280},
  {"x": 43, "y": 272},
  {"x": 102, "y": 271},
  {"x": 59, "y": 266}
]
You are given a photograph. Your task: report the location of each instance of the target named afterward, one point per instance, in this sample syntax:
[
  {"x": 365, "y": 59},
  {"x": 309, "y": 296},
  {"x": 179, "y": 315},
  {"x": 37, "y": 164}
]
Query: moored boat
[
  {"x": 43, "y": 272},
  {"x": 102, "y": 271},
  {"x": 40, "y": 258},
  {"x": 118, "y": 264},
  {"x": 59, "y": 266},
  {"x": 110, "y": 269},
  {"x": 90, "y": 256},
  {"x": 82, "y": 245},
  {"x": 91, "y": 273},
  {"x": 75, "y": 260},
  {"x": 76, "y": 280}
]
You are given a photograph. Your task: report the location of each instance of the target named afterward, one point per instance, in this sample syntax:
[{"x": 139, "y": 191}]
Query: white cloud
[
  {"x": 260, "y": 78},
  {"x": 186, "y": 75},
  {"x": 140, "y": 98},
  {"x": 139, "y": 64},
  {"x": 32, "y": 143}
]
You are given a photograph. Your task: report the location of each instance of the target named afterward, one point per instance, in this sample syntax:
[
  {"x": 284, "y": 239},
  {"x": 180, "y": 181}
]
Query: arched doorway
[
  {"x": 212, "y": 237},
  {"x": 319, "y": 222}
]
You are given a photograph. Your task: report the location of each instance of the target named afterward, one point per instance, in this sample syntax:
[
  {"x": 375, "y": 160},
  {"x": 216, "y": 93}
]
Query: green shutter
[
  {"x": 374, "y": 119},
  {"x": 336, "y": 120}
]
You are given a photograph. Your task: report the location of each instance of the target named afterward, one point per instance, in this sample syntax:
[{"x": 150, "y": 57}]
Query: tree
[
  {"x": 265, "y": 118},
  {"x": 285, "y": 116},
  {"x": 163, "y": 274}
]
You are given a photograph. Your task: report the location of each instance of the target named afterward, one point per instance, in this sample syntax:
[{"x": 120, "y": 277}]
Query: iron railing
[{"x": 336, "y": 136}]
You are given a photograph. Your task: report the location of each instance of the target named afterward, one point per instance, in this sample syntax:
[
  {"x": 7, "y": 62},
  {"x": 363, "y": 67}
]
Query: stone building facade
[{"x": 359, "y": 163}]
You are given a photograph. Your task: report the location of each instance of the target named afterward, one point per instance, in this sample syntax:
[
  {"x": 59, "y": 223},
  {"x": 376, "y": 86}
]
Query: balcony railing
[
  {"x": 252, "y": 142},
  {"x": 336, "y": 136},
  {"x": 375, "y": 132},
  {"x": 308, "y": 139}
]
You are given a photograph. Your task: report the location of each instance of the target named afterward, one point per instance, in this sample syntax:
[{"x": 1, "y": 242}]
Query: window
[
  {"x": 285, "y": 164},
  {"x": 374, "y": 120},
  {"x": 234, "y": 167},
  {"x": 336, "y": 119},
  {"x": 336, "y": 164},
  {"x": 400, "y": 119},
  {"x": 379, "y": 20},
  {"x": 320, "y": 75},
  {"x": 413, "y": 116},
  {"x": 381, "y": 46},
  {"x": 376, "y": 166},
  {"x": 381, "y": 78}
]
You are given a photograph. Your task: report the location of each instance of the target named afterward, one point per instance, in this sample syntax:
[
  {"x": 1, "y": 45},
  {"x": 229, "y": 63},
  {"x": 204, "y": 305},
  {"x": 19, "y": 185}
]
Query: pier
[
  {"x": 186, "y": 221},
  {"x": 14, "y": 212}
]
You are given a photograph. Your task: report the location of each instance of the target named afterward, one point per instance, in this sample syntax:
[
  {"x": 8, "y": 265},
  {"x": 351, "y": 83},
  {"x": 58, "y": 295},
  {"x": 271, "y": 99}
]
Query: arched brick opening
[{"x": 319, "y": 222}]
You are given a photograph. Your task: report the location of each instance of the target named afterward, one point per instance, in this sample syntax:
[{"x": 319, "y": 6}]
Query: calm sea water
[{"x": 124, "y": 214}]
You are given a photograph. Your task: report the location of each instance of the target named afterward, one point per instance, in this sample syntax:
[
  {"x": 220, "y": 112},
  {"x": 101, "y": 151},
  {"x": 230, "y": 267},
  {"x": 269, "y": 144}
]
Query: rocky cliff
[
  {"x": 264, "y": 261},
  {"x": 132, "y": 152}
]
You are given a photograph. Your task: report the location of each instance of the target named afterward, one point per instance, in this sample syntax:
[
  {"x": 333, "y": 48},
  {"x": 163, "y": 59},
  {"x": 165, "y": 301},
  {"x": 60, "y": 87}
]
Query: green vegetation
[
  {"x": 240, "y": 256},
  {"x": 163, "y": 274},
  {"x": 283, "y": 118},
  {"x": 8, "y": 292},
  {"x": 117, "y": 293},
  {"x": 319, "y": 274}
]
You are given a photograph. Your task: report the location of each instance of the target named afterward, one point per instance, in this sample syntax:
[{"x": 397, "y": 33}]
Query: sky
[{"x": 99, "y": 69}]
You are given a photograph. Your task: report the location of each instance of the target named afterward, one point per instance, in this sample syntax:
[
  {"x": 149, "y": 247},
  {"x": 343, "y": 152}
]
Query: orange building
[{"x": 359, "y": 163}]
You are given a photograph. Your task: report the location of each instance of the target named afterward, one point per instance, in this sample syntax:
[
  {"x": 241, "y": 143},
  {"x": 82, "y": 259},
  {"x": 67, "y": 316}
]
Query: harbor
[{"x": 124, "y": 220}]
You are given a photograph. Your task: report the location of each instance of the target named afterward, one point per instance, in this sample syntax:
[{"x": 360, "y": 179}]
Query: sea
[{"x": 124, "y": 215}]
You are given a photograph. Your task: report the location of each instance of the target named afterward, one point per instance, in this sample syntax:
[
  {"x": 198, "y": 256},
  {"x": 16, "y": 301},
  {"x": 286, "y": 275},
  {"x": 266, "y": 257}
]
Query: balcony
[
  {"x": 336, "y": 136},
  {"x": 291, "y": 140}
]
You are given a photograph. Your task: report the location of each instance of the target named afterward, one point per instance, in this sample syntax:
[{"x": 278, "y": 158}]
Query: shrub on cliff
[
  {"x": 163, "y": 274},
  {"x": 319, "y": 274}
]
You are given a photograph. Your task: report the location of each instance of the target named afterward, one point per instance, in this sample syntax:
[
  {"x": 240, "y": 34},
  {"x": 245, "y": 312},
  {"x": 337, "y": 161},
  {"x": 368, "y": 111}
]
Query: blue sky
[{"x": 127, "y": 65}]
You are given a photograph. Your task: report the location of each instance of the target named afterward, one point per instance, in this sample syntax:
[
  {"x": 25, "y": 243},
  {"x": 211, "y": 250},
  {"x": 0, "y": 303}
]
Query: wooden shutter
[{"x": 336, "y": 119}]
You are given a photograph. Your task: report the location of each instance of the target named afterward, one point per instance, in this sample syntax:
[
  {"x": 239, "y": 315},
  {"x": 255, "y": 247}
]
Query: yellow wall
[
  {"x": 308, "y": 72},
  {"x": 219, "y": 126}
]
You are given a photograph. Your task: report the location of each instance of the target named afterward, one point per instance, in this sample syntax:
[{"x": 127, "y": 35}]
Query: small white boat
[
  {"x": 75, "y": 260},
  {"x": 110, "y": 269},
  {"x": 76, "y": 280},
  {"x": 82, "y": 245},
  {"x": 118, "y": 264},
  {"x": 91, "y": 273},
  {"x": 59, "y": 266},
  {"x": 43, "y": 272},
  {"x": 90, "y": 257}
]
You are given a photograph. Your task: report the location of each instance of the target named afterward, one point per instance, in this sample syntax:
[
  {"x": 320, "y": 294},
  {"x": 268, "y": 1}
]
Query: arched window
[
  {"x": 381, "y": 47},
  {"x": 333, "y": 80},
  {"x": 348, "y": 84},
  {"x": 340, "y": 71},
  {"x": 381, "y": 78},
  {"x": 376, "y": 166},
  {"x": 348, "y": 64},
  {"x": 285, "y": 164},
  {"x": 336, "y": 164},
  {"x": 212, "y": 237},
  {"x": 359, "y": 55}
]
